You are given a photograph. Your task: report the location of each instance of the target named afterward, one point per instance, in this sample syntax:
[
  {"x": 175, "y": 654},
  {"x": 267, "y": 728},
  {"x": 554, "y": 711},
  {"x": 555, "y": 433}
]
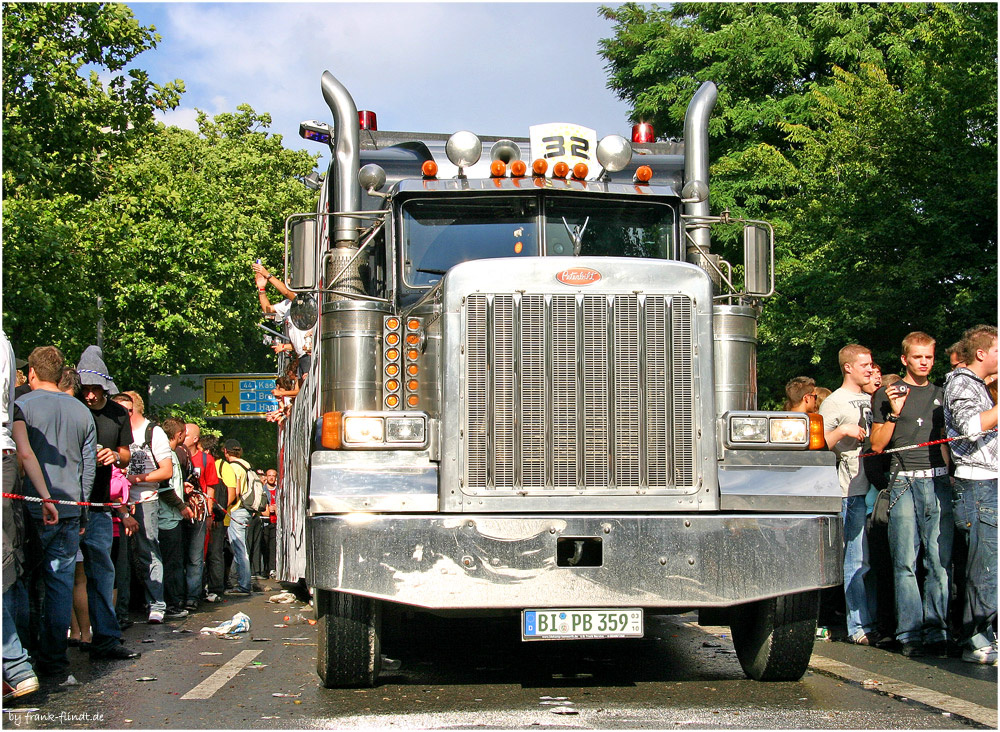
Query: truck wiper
[{"x": 432, "y": 271}]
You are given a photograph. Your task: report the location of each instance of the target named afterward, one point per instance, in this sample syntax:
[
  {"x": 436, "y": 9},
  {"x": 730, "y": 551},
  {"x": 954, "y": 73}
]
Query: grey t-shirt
[
  {"x": 847, "y": 407},
  {"x": 64, "y": 439}
]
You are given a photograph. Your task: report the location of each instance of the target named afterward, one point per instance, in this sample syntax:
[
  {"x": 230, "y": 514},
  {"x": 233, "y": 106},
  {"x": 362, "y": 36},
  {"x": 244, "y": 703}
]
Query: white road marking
[
  {"x": 220, "y": 678},
  {"x": 888, "y": 685}
]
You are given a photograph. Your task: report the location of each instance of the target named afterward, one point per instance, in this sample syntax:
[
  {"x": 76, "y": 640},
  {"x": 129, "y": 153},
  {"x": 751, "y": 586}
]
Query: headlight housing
[
  {"x": 375, "y": 430},
  {"x": 773, "y": 431}
]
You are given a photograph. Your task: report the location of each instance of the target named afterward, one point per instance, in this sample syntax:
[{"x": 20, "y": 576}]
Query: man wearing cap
[
  {"x": 114, "y": 435},
  {"x": 239, "y": 517}
]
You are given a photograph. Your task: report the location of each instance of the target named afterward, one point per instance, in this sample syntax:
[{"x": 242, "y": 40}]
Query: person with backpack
[{"x": 246, "y": 496}]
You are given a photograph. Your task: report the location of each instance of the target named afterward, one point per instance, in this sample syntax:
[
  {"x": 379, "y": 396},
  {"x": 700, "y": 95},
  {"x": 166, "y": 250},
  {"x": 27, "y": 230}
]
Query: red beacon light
[
  {"x": 367, "y": 120},
  {"x": 643, "y": 133}
]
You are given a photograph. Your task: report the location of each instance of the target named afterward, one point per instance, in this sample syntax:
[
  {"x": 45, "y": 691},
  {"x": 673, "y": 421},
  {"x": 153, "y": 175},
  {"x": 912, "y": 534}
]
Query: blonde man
[{"x": 847, "y": 417}]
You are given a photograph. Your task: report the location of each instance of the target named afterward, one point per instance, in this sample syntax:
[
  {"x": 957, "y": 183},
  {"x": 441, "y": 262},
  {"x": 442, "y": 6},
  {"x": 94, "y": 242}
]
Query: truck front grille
[{"x": 571, "y": 392}]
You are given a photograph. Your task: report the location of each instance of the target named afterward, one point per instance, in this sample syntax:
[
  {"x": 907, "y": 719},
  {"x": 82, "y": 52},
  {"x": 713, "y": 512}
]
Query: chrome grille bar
[{"x": 571, "y": 392}]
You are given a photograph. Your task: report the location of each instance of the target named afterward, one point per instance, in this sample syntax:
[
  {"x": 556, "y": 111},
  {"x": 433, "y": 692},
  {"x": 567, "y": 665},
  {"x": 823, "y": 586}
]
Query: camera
[{"x": 901, "y": 388}]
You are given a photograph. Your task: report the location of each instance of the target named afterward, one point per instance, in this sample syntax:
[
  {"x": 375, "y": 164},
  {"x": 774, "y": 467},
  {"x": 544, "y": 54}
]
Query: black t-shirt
[
  {"x": 921, "y": 420},
  {"x": 113, "y": 431}
]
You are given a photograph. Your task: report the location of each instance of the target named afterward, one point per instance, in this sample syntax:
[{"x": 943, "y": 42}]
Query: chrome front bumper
[{"x": 504, "y": 561}]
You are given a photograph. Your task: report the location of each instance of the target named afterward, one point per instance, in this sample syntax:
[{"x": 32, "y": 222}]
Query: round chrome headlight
[
  {"x": 614, "y": 152},
  {"x": 464, "y": 149}
]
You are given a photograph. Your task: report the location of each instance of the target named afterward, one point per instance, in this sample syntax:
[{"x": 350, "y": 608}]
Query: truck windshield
[
  {"x": 443, "y": 232},
  {"x": 439, "y": 233}
]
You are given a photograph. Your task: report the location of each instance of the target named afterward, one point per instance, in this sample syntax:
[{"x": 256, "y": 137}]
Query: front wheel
[
  {"x": 774, "y": 637},
  {"x": 349, "y": 652}
]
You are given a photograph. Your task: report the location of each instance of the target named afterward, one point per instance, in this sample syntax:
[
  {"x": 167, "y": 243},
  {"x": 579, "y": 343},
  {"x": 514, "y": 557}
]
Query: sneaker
[
  {"x": 175, "y": 613},
  {"x": 125, "y": 623},
  {"x": 191, "y": 606},
  {"x": 238, "y": 593},
  {"x": 212, "y": 597},
  {"x": 22, "y": 688},
  {"x": 985, "y": 656},
  {"x": 155, "y": 617},
  {"x": 912, "y": 649}
]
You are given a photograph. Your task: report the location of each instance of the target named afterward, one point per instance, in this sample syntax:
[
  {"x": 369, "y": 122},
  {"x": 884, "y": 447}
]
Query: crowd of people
[
  {"x": 923, "y": 580},
  {"x": 114, "y": 515}
]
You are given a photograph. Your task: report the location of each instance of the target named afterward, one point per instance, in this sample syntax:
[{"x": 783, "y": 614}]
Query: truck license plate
[{"x": 560, "y": 624}]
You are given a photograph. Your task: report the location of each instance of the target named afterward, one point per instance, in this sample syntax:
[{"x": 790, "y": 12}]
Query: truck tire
[
  {"x": 774, "y": 638},
  {"x": 349, "y": 653}
]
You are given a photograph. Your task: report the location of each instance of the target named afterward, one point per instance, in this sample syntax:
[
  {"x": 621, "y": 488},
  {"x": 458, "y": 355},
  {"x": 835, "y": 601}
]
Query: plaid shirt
[{"x": 965, "y": 398}]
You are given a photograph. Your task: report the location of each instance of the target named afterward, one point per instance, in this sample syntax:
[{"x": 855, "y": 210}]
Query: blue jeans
[
  {"x": 16, "y": 667},
  {"x": 147, "y": 549},
  {"x": 59, "y": 547},
  {"x": 976, "y": 512},
  {"x": 238, "y": 521},
  {"x": 859, "y": 594},
  {"x": 100, "y": 571},
  {"x": 922, "y": 514},
  {"x": 194, "y": 558}
]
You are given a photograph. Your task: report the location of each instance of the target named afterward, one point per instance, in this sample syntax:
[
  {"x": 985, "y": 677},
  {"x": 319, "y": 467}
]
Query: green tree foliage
[
  {"x": 865, "y": 132},
  {"x": 62, "y": 130},
  {"x": 168, "y": 244}
]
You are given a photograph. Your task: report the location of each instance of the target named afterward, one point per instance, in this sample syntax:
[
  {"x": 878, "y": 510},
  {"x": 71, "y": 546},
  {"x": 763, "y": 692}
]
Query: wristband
[{"x": 260, "y": 289}]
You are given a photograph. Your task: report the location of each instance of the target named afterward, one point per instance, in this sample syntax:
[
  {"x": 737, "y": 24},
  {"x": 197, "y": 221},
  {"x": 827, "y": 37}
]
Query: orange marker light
[
  {"x": 498, "y": 169},
  {"x": 392, "y": 323},
  {"x": 392, "y": 354},
  {"x": 412, "y": 339},
  {"x": 580, "y": 171},
  {"x": 392, "y": 385},
  {"x": 643, "y": 173},
  {"x": 560, "y": 170},
  {"x": 412, "y": 354},
  {"x": 539, "y": 167},
  {"x": 392, "y": 339},
  {"x": 413, "y": 400},
  {"x": 412, "y": 384},
  {"x": 429, "y": 169},
  {"x": 413, "y": 324},
  {"x": 817, "y": 438},
  {"x": 330, "y": 437},
  {"x": 518, "y": 168},
  {"x": 392, "y": 369},
  {"x": 412, "y": 369},
  {"x": 392, "y": 401},
  {"x": 518, "y": 246}
]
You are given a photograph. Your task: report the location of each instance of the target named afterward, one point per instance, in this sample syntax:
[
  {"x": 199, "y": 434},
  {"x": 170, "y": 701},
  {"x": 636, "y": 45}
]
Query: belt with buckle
[{"x": 929, "y": 473}]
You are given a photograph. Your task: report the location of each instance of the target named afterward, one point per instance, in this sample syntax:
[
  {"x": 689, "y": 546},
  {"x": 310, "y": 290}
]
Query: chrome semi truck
[{"x": 533, "y": 392}]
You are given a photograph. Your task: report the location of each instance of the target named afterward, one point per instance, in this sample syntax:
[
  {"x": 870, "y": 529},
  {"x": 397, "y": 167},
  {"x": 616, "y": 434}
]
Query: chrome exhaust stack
[
  {"x": 696, "y": 188},
  {"x": 346, "y": 160}
]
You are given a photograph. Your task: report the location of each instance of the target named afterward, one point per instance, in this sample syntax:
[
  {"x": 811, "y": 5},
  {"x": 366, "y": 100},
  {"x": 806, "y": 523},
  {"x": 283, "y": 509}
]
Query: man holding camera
[{"x": 911, "y": 412}]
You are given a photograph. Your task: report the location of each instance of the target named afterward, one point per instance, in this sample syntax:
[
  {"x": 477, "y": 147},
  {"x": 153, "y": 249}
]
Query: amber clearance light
[
  {"x": 643, "y": 174},
  {"x": 498, "y": 169},
  {"x": 817, "y": 438},
  {"x": 518, "y": 168},
  {"x": 539, "y": 167},
  {"x": 330, "y": 437},
  {"x": 560, "y": 169},
  {"x": 580, "y": 171},
  {"x": 429, "y": 169}
]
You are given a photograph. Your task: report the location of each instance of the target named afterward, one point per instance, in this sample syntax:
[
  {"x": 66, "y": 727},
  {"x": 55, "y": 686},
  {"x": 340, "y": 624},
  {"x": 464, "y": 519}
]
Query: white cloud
[
  {"x": 494, "y": 68},
  {"x": 183, "y": 117}
]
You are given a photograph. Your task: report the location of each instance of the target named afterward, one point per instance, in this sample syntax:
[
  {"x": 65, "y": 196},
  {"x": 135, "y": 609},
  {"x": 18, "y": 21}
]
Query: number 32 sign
[{"x": 569, "y": 143}]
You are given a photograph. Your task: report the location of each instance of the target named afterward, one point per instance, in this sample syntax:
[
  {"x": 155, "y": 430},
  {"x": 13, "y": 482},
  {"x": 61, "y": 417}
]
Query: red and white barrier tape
[
  {"x": 928, "y": 444},
  {"x": 36, "y": 499}
]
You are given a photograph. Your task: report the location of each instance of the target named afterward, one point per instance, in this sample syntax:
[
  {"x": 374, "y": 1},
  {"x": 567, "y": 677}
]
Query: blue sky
[{"x": 493, "y": 68}]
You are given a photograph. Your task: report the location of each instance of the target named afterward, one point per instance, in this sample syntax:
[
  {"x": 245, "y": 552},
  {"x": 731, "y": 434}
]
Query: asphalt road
[{"x": 478, "y": 674}]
